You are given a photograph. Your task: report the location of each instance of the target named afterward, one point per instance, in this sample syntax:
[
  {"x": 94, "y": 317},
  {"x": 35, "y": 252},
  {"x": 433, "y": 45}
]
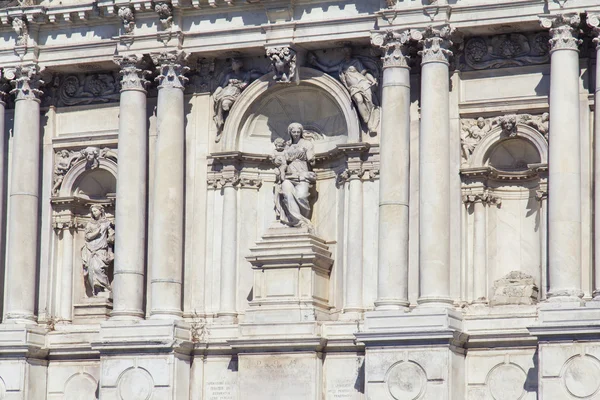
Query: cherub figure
[
  {"x": 62, "y": 164},
  {"x": 471, "y": 136},
  {"x": 283, "y": 63},
  {"x": 279, "y": 159}
]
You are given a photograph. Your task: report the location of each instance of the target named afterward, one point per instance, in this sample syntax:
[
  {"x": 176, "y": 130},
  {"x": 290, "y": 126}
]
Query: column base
[
  {"x": 126, "y": 315},
  {"x": 170, "y": 315},
  {"x": 351, "y": 314},
  {"x": 20, "y": 318},
  {"x": 563, "y": 299},
  {"x": 226, "y": 318},
  {"x": 391, "y": 304},
  {"x": 435, "y": 302}
]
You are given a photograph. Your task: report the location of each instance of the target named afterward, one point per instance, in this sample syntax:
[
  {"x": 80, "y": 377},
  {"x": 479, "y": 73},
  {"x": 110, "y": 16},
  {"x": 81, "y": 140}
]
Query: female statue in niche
[
  {"x": 294, "y": 176},
  {"x": 97, "y": 254}
]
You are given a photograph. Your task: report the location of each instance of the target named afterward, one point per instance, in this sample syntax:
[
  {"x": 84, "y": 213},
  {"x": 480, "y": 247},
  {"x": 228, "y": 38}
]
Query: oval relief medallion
[
  {"x": 506, "y": 382},
  {"x": 406, "y": 380},
  {"x": 581, "y": 376},
  {"x": 135, "y": 384},
  {"x": 81, "y": 387}
]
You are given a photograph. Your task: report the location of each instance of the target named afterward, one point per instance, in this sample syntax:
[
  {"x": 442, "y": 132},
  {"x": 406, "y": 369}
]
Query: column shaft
[
  {"x": 434, "y": 181},
  {"x": 24, "y": 192},
  {"x": 479, "y": 252},
  {"x": 168, "y": 193},
  {"x": 66, "y": 282},
  {"x": 394, "y": 174},
  {"x": 353, "y": 290},
  {"x": 227, "y": 309},
  {"x": 593, "y": 21},
  {"x": 130, "y": 210},
  {"x": 564, "y": 176}
]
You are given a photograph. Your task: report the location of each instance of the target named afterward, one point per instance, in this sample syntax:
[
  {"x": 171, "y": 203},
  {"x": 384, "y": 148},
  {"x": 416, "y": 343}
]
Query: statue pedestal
[{"x": 291, "y": 277}]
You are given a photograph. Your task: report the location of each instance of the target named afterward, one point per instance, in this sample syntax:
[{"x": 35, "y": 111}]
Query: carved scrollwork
[
  {"x": 171, "y": 69},
  {"x": 507, "y": 50},
  {"x": 283, "y": 63},
  {"x": 26, "y": 82},
  {"x": 593, "y": 21},
  {"x": 484, "y": 197},
  {"x": 87, "y": 89},
  {"x": 564, "y": 31},
  {"x": 132, "y": 75},
  {"x": 436, "y": 44},
  {"x": 395, "y": 46}
]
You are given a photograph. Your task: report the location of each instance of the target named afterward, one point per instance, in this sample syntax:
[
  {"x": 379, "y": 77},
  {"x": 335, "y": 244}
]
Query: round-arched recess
[
  {"x": 265, "y": 109},
  {"x": 509, "y": 153},
  {"x": 91, "y": 183},
  {"x": 513, "y": 154}
]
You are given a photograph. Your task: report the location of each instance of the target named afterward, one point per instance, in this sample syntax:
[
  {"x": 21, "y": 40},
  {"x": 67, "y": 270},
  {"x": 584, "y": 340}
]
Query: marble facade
[{"x": 310, "y": 199}]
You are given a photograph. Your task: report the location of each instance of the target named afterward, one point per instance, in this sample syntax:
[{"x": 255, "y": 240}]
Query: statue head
[
  {"x": 236, "y": 64},
  {"x": 295, "y": 131},
  {"x": 279, "y": 144},
  {"x": 64, "y": 154},
  {"x": 97, "y": 211},
  {"x": 480, "y": 122}
]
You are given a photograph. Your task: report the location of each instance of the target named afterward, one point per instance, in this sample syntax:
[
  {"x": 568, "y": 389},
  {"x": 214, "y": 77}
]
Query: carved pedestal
[{"x": 291, "y": 277}]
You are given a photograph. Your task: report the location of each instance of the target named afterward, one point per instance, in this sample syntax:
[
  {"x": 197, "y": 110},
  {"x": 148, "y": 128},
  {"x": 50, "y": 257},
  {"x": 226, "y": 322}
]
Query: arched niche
[
  {"x": 93, "y": 183},
  {"x": 496, "y": 147},
  {"x": 265, "y": 109}
]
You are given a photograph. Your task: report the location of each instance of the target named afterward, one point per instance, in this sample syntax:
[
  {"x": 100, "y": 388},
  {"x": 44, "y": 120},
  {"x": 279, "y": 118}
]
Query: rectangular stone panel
[{"x": 276, "y": 377}]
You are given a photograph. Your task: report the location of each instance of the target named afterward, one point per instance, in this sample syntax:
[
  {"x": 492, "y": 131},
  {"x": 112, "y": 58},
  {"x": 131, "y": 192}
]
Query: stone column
[
  {"x": 479, "y": 249},
  {"x": 564, "y": 176},
  {"x": 228, "y": 309},
  {"x": 65, "y": 306},
  {"x": 168, "y": 190},
  {"x": 353, "y": 278},
  {"x": 434, "y": 163},
  {"x": 541, "y": 195},
  {"x": 4, "y": 89},
  {"x": 394, "y": 176},
  {"x": 130, "y": 210},
  {"x": 593, "y": 21},
  {"x": 24, "y": 192}
]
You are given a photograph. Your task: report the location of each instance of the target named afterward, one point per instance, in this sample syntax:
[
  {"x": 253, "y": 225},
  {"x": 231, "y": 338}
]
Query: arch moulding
[
  {"x": 233, "y": 129},
  {"x": 78, "y": 169}
]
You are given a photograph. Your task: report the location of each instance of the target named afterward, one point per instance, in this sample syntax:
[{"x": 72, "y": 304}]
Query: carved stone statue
[
  {"x": 283, "y": 63},
  {"x": 230, "y": 88},
  {"x": 165, "y": 15},
  {"x": 62, "y": 164},
  {"x": 20, "y": 27},
  {"x": 127, "y": 19},
  {"x": 471, "y": 135},
  {"x": 294, "y": 177},
  {"x": 97, "y": 253},
  {"x": 360, "y": 83}
]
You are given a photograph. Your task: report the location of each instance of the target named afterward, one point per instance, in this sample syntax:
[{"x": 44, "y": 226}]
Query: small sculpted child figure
[{"x": 279, "y": 158}]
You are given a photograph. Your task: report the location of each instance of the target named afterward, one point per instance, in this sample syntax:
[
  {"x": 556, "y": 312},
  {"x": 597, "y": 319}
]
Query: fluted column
[
  {"x": 130, "y": 210},
  {"x": 564, "y": 177},
  {"x": 3, "y": 156},
  {"x": 24, "y": 192},
  {"x": 229, "y": 183},
  {"x": 168, "y": 189},
  {"x": 434, "y": 163},
  {"x": 394, "y": 174},
  {"x": 593, "y": 21}
]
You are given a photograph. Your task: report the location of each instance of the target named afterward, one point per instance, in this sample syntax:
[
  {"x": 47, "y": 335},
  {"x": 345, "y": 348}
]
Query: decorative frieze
[
  {"x": 26, "y": 82},
  {"x": 436, "y": 43},
  {"x": 132, "y": 76},
  {"x": 508, "y": 50},
  {"x": 564, "y": 31},
  {"x": 171, "y": 69},
  {"x": 484, "y": 197},
  {"x": 283, "y": 63},
  {"x": 80, "y": 89}
]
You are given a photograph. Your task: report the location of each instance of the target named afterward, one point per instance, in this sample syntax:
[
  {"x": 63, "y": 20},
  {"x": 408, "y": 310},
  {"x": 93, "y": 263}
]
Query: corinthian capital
[
  {"x": 436, "y": 44},
  {"x": 132, "y": 76},
  {"x": 564, "y": 31},
  {"x": 395, "y": 46},
  {"x": 26, "y": 80},
  {"x": 593, "y": 21},
  {"x": 171, "y": 69}
]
